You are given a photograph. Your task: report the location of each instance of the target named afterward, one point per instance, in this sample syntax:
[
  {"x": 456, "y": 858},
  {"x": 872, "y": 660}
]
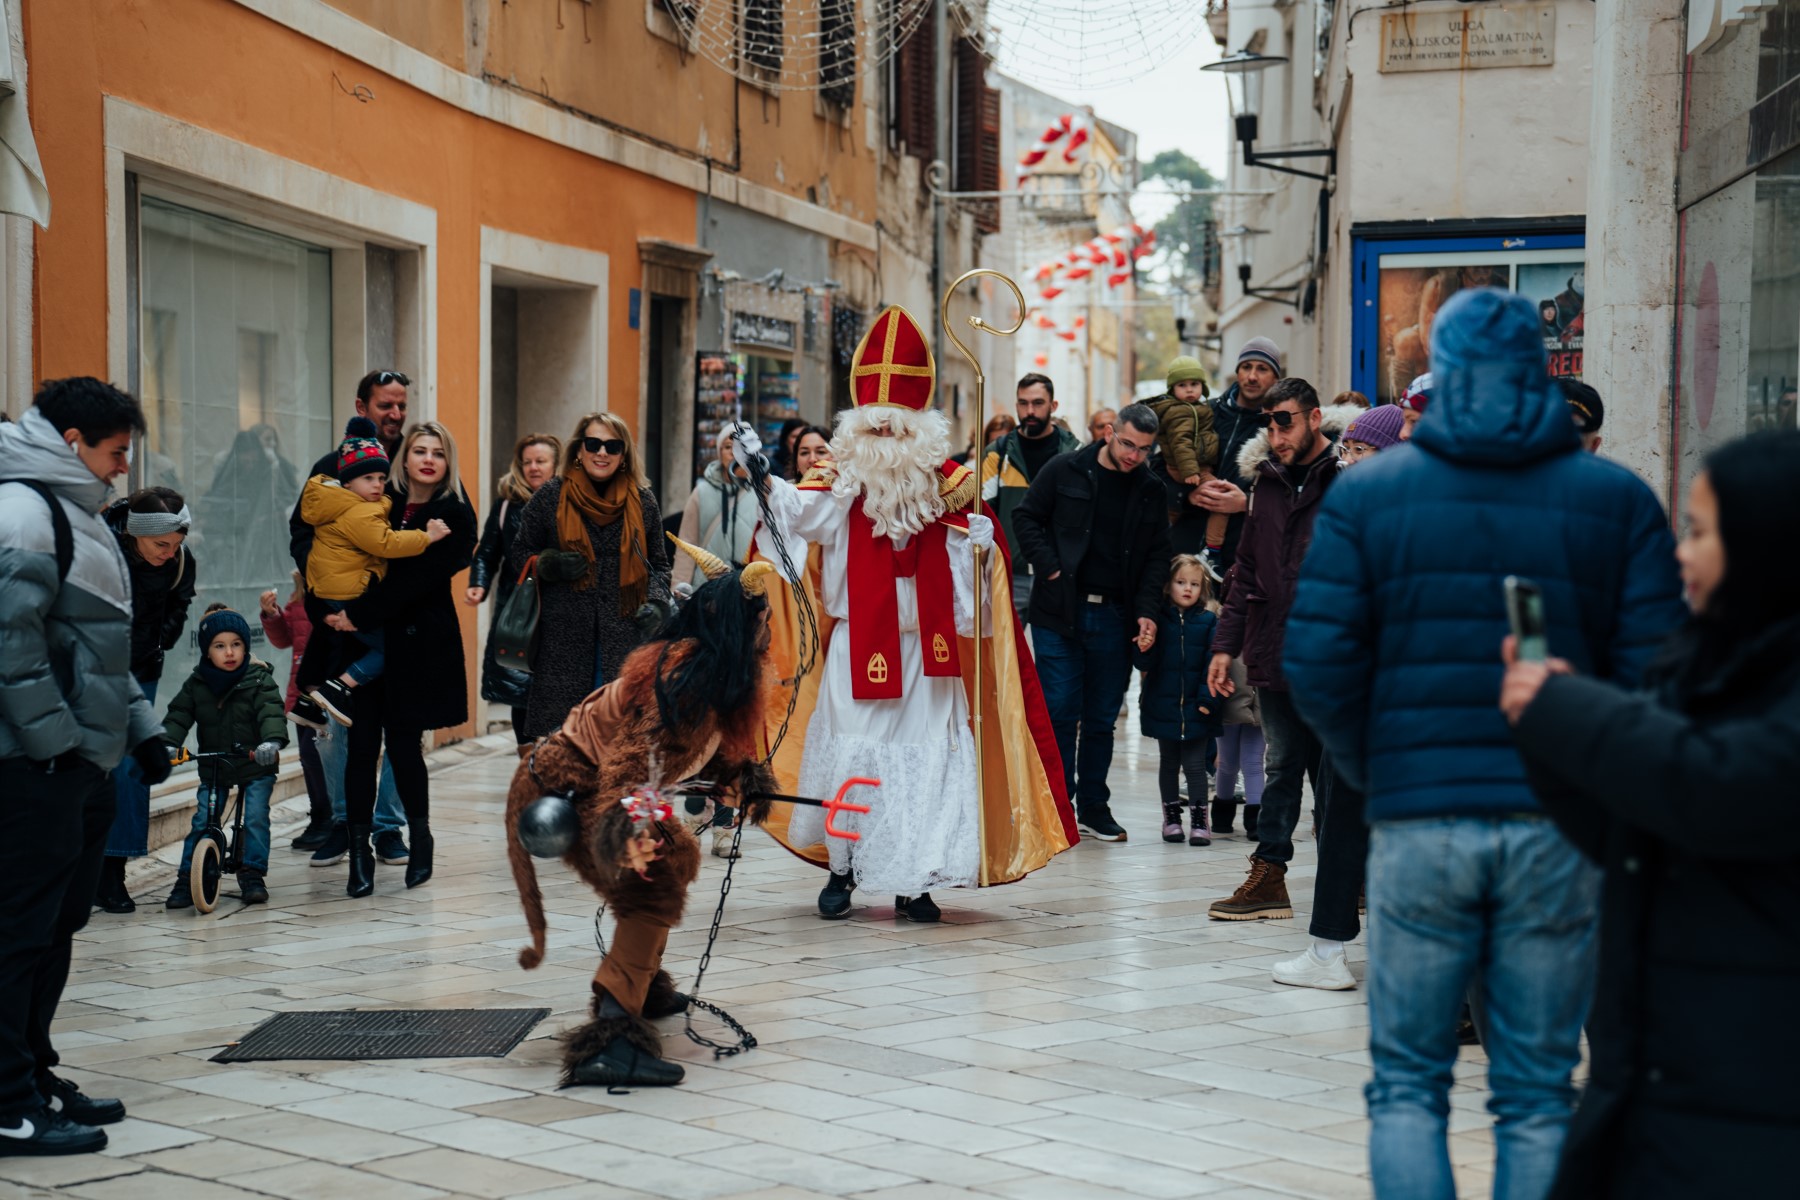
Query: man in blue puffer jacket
[{"x": 1393, "y": 656}]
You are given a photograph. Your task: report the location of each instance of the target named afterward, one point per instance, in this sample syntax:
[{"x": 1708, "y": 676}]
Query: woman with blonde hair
[
  {"x": 596, "y": 530},
  {"x": 424, "y": 686},
  {"x": 534, "y": 461}
]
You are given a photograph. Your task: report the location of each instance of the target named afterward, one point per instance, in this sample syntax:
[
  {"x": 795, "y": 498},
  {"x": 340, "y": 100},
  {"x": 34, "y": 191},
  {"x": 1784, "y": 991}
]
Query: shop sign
[
  {"x": 756, "y": 330},
  {"x": 1709, "y": 19},
  {"x": 1467, "y": 39}
]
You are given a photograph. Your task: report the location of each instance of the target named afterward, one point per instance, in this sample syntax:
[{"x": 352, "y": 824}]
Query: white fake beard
[{"x": 896, "y": 476}]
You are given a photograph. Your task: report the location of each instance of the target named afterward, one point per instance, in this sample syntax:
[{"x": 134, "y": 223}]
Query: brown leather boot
[{"x": 1261, "y": 897}]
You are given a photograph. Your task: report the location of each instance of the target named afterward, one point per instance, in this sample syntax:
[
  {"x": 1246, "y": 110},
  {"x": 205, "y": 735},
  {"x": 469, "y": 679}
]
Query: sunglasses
[
  {"x": 603, "y": 445},
  {"x": 383, "y": 378},
  {"x": 1282, "y": 420}
]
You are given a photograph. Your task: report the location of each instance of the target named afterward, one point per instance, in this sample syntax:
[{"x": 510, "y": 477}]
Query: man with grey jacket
[{"x": 69, "y": 712}]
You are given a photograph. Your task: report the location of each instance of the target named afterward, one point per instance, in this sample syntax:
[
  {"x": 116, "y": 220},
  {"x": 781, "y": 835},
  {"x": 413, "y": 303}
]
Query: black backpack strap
[{"x": 61, "y": 530}]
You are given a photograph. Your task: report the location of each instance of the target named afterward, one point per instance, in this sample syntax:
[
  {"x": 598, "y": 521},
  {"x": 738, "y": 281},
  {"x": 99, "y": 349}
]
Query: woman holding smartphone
[{"x": 1684, "y": 793}]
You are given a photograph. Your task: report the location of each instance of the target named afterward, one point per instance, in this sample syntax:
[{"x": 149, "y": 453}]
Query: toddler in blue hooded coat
[{"x": 1174, "y": 705}]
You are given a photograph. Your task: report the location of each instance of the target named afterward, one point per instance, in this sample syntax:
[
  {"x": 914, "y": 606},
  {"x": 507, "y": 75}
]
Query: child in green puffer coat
[{"x": 230, "y": 700}]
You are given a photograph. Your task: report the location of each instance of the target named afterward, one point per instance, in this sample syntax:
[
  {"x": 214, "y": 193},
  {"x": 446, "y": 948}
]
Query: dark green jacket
[
  {"x": 1004, "y": 481},
  {"x": 251, "y": 712}
]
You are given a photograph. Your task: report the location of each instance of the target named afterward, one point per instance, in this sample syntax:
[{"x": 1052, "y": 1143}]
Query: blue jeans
[
  {"x": 255, "y": 850},
  {"x": 369, "y": 667},
  {"x": 334, "y": 756},
  {"x": 1084, "y": 680},
  {"x": 130, "y": 833},
  {"x": 1449, "y": 898}
]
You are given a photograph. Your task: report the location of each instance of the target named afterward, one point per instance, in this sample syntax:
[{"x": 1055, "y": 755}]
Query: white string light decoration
[
  {"x": 798, "y": 45},
  {"x": 1085, "y": 43}
]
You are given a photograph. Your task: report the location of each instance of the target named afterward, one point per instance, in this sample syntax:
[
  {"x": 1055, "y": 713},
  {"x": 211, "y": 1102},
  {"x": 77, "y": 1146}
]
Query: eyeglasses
[
  {"x": 383, "y": 378},
  {"x": 1281, "y": 420},
  {"x": 603, "y": 445}
]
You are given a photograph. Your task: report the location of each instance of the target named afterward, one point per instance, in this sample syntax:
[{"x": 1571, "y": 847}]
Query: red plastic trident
[{"x": 838, "y": 804}]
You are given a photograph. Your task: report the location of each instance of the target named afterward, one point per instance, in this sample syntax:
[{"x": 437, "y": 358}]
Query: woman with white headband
[{"x": 151, "y": 526}]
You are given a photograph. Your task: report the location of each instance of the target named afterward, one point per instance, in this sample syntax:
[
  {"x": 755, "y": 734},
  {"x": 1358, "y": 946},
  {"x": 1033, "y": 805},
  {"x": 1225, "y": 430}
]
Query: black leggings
[
  {"x": 1177, "y": 757},
  {"x": 362, "y": 765}
]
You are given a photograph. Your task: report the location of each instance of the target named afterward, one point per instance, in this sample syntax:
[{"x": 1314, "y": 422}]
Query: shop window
[
  {"x": 1738, "y": 324},
  {"x": 234, "y": 371}
]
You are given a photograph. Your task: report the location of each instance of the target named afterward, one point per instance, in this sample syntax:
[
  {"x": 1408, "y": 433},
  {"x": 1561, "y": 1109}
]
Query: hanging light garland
[
  {"x": 1058, "y": 44},
  {"x": 797, "y": 45}
]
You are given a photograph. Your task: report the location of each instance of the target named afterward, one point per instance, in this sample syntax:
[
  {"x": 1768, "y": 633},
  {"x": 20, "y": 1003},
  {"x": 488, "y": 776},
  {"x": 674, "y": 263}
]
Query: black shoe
[
  {"x": 316, "y": 834},
  {"x": 834, "y": 901},
  {"x": 251, "y": 887},
  {"x": 337, "y": 698},
  {"x": 418, "y": 868},
  {"x": 622, "y": 1064},
  {"x": 110, "y": 893},
  {"x": 179, "y": 896},
  {"x": 670, "y": 1003},
  {"x": 65, "y": 1099},
  {"x": 336, "y": 845},
  {"x": 390, "y": 847},
  {"x": 362, "y": 863},
  {"x": 921, "y": 908},
  {"x": 306, "y": 711},
  {"x": 1224, "y": 814},
  {"x": 1250, "y": 812},
  {"x": 1099, "y": 824},
  {"x": 42, "y": 1132}
]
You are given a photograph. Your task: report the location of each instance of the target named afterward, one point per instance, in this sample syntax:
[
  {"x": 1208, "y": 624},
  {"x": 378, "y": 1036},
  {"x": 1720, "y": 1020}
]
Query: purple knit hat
[{"x": 1380, "y": 426}]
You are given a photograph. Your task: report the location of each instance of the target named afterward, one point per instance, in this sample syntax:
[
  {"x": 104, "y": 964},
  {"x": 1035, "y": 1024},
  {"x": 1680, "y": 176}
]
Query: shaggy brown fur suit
[{"x": 610, "y": 745}]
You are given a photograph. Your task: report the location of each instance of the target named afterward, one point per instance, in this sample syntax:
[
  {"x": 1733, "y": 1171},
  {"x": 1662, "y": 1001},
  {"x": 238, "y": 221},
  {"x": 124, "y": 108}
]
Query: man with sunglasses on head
[
  {"x": 381, "y": 397},
  {"x": 1095, "y": 528},
  {"x": 1284, "y": 496}
]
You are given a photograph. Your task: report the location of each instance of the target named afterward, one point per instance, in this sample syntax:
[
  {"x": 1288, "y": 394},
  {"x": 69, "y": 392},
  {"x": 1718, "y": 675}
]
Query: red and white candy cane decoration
[
  {"x": 1111, "y": 253},
  {"x": 1068, "y": 131}
]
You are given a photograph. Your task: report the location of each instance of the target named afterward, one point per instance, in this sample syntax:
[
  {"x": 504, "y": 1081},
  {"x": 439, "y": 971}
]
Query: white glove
[
  {"x": 267, "y": 754},
  {"x": 981, "y": 531}
]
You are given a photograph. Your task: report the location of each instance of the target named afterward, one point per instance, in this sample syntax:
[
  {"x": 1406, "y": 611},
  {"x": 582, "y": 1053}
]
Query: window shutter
[
  {"x": 915, "y": 108},
  {"x": 837, "y": 52},
  {"x": 977, "y": 134},
  {"x": 987, "y": 213},
  {"x": 762, "y": 34}
]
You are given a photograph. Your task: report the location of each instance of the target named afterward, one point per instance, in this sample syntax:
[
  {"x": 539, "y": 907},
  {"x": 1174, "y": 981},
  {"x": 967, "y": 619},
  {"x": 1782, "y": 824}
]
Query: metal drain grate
[{"x": 388, "y": 1033}]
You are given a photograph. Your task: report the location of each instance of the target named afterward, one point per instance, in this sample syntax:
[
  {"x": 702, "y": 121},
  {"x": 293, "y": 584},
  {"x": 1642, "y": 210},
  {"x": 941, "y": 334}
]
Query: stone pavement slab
[{"x": 1085, "y": 1034}]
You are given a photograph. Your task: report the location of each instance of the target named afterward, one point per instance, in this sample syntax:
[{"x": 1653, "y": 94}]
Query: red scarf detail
[{"x": 875, "y": 568}]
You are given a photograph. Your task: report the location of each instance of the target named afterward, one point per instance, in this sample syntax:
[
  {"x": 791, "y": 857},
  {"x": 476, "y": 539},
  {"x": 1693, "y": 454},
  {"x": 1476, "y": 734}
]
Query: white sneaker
[{"x": 1308, "y": 971}]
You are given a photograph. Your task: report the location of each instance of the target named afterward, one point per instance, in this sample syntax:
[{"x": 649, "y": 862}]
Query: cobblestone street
[{"x": 1086, "y": 1034}]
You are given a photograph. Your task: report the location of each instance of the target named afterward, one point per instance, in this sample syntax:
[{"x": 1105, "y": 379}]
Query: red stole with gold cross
[{"x": 875, "y": 569}]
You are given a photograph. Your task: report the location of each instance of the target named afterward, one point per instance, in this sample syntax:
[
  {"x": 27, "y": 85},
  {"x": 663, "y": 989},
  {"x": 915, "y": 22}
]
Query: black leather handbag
[{"x": 515, "y": 633}]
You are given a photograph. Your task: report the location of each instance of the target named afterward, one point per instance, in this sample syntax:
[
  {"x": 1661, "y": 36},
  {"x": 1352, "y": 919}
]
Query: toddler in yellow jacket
[{"x": 352, "y": 541}]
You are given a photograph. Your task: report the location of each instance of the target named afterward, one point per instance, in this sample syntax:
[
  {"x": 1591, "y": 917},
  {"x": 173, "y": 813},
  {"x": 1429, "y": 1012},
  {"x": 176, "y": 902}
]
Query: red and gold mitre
[{"x": 893, "y": 364}]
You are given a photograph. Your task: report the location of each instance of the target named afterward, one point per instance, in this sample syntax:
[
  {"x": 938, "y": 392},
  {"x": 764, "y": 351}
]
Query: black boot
[
  {"x": 418, "y": 865},
  {"x": 362, "y": 863},
  {"x": 110, "y": 894},
  {"x": 1250, "y": 812},
  {"x": 1224, "y": 813},
  {"x": 616, "y": 1049},
  {"x": 317, "y": 831},
  {"x": 834, "y": 901}
]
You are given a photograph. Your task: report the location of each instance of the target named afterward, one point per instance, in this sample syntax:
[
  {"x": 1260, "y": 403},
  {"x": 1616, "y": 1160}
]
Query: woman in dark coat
[
  {"x": 597, "y": 532},
  {"x": 424, "y": 685},
  {"x": 151, "y": 526},
  {"x": 1694, "y": 1045},
  {"x": 533, "y": 464}
]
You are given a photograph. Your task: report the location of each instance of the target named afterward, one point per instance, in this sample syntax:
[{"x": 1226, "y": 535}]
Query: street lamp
[
  {"x": 1243, "y": 73},
  {"x": 1243, "y": 235}
]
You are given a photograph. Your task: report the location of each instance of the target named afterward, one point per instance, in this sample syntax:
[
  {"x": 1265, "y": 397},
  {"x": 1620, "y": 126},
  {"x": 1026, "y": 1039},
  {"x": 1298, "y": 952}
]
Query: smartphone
[{"x": 1525, "y": 613}]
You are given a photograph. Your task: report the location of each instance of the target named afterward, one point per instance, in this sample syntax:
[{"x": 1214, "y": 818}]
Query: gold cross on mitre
[{"x": 904, "y": 373}]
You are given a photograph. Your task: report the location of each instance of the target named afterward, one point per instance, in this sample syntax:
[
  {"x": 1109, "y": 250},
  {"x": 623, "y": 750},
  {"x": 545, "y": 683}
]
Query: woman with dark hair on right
[
  {"x": 811, "y": 448},
  {"x": 1685, "y": 794}
]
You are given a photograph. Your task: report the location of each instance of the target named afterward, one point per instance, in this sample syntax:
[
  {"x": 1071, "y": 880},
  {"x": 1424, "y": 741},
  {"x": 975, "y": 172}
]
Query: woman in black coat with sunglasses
[
  {"x": 597, "y": 532},
  {"x": 1685, "y": 794}
]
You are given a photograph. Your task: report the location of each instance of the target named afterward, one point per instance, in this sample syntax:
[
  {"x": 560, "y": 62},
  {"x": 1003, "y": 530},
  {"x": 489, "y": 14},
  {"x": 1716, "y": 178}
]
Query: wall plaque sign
[{"x": 1518, "y": 35}]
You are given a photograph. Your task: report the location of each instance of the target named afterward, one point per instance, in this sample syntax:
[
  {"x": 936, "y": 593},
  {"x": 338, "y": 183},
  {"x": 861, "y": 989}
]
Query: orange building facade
[{"x": 533, "y": 208}]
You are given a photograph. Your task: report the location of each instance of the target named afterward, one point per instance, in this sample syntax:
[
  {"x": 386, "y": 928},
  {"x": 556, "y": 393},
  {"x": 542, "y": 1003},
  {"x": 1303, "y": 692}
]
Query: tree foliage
[{"x": 1182, "y": 244}]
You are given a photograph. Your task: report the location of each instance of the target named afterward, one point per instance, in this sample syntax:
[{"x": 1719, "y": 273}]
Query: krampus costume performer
[{"x": 687, "y": 705}]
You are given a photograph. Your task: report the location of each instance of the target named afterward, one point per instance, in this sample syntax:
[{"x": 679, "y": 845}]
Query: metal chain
[{"x": 745, "y": 1039}]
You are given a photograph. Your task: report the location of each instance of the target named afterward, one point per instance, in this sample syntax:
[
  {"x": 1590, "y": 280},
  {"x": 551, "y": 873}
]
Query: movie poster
[{"x": 1410, "y": 297}]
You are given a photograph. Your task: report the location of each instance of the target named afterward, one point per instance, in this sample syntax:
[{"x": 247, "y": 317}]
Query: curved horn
[
  {"x": 754, "y": 578},
  {"x": 706, "y": 560}
]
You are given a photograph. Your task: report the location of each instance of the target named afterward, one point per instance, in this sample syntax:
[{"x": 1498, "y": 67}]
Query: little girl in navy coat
[{"x": 1175, "y": 707}]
